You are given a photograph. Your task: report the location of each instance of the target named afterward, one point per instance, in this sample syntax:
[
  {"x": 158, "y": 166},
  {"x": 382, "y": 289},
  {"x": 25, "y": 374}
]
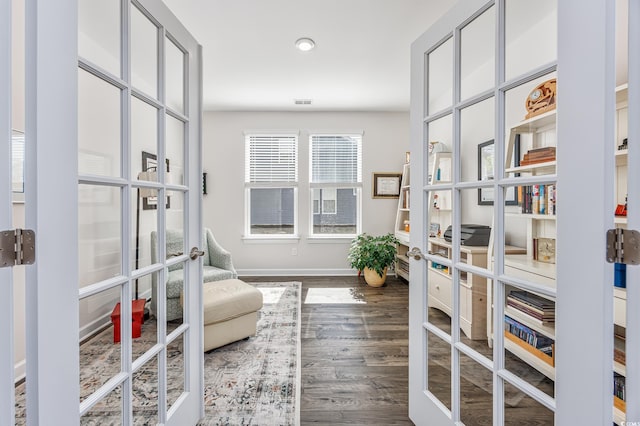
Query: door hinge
[
  {"x": 623, "y": 246},
  {"x": 17, "y": 247}
]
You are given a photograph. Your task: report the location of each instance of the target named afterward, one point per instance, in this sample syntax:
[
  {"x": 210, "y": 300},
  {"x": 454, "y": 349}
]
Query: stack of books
[
  {"x": 619, "y": 386},
  {"x": 542, "y": 311},
  {"x": 539, "y": 155}
]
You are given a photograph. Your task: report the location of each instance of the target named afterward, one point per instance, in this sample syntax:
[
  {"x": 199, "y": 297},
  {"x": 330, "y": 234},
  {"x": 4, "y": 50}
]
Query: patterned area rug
[
  {"x": 251, "y": 382},
  {"x": 257, "y": 381}
]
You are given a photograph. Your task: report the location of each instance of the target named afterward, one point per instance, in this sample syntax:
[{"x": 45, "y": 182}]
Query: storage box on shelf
[{"x": 402, "y": 226}]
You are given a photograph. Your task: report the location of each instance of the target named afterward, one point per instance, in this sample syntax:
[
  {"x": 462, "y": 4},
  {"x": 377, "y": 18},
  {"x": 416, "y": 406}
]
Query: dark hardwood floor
[
  {"x": 354, "y": 356},
  {"x": 355, "y": 361}
]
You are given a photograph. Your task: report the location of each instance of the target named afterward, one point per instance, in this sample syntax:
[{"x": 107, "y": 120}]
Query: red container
[{"x": 137, "y": 319}]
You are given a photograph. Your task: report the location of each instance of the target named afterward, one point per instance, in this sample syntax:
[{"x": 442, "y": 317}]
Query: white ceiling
[{"x": 360, "y": 63}]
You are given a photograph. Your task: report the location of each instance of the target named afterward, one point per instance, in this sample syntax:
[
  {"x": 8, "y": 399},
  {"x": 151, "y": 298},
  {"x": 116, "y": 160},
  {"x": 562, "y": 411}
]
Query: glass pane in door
[
  {"x": 100, "y": 350},
  {"x": 144, "y": 53},
  {"x": 176, "y": 369},
  {"x": 144, "y": 247},
  {"x": 145, "y": 393},
  {"x": 520, "y": 408},
  {"x": 144, "y": 143},
  {"x": 99, "y": 238},
  {"x": 99, "y": 124},
  {"x": 531, "y": 33},
  {"x": 174, "y": 78},
  {"x": 477, "y": 130},
  {"x": 99, "y": 34},
  {"x": 174, "y": 138},
  {"x": 476, "y": 393},
  {"x": 145, "y": 327},
  {"x": 477, "y": 58},
  {"x": 475, "y": 233},
  {"x": 439, "y": 368},
  {"x": 440, "y": 78},
  {"x": 107, "y": 411}
]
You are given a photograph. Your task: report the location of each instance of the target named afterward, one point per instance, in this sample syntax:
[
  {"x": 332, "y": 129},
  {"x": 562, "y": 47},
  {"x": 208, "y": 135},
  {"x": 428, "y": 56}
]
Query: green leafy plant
[{"x": 373, "y": 252}]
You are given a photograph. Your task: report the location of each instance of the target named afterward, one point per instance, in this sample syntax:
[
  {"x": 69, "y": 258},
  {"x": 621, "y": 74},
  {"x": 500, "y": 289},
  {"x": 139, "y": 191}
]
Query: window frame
[
  {"x": 275, "y": 184},
  {"x": 355, "y": 186}
]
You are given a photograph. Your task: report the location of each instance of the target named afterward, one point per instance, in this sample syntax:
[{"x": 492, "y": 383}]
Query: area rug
[{"x": 255, "y": 381}]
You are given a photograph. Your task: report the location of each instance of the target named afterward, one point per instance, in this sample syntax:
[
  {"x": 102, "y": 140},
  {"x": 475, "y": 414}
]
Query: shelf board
[
  {"x": 622, "y": 93},
  {"x": 533, "y": 216},
  {"x": 524, "y": 319},
  {"x": 620, "y": 293},
  {"x": 404, "y": 210},
  {"x": 531, "y": 359},
  {"x": 534, "y": 123},
  {"x": 403, "y": 237},
  {"x": 622, "y": 157},
  {"x": 618, "y": 416},
  {"x": 550, "y": 165},
  {"x": 527, "y": 264},
  {"x": 620, "y": 220}
]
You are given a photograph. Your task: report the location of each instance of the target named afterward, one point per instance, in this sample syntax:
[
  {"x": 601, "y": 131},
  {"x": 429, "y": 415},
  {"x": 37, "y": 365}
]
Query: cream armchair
[{"x": 217, "y": 266}]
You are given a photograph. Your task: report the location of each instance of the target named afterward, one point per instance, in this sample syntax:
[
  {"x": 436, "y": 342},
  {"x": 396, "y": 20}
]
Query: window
[
  {"x": 271, "y": 180},
  {"x": 336, "y": 184}
]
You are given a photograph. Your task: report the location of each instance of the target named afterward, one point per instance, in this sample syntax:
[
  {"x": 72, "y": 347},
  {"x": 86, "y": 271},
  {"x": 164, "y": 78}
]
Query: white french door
[
  {"x": 112, "y": 92},
  {"x": 525, "y": 160},
  {"x": 139, "y": 175}
]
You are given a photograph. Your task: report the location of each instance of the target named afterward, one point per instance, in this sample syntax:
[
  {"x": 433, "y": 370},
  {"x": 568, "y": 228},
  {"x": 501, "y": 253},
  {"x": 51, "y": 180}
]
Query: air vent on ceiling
[{"x": 302, "y": 101}]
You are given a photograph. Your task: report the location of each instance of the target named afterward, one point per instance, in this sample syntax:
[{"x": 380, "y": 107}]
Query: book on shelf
[
  {"x": 619, "y": 382},
  {"x": 530, "y": 340},
  {"x": 537, "y": 199},
  {"x": 538, "y": 309},
  {"x": 539, "y": 155}
]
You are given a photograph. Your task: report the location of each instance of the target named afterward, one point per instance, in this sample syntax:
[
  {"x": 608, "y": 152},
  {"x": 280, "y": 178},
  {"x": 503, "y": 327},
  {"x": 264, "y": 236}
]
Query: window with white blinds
[
  {"x": 271, "y": 158},
  {"x": 336, "y": 184},
  {"x": 271, "y": 179},
  {"x": 336, "y": 159}
]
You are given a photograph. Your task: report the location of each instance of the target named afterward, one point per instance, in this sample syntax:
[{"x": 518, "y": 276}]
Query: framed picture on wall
[
  {"x": 386, "y": 185},
  {"x": 486, "y": 167},
  {"x": 150, "y": 163}
]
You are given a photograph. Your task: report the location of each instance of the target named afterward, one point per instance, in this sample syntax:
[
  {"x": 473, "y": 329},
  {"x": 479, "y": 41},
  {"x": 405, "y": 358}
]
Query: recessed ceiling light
[{"x": 305, "y": 44}]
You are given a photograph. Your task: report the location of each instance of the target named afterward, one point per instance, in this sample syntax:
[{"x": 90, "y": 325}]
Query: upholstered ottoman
[{"x": 230, "y": 311}]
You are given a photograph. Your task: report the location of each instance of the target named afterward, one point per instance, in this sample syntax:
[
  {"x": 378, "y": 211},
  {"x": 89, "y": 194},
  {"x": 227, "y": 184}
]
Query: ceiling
[{"x": 360, "y": 63}]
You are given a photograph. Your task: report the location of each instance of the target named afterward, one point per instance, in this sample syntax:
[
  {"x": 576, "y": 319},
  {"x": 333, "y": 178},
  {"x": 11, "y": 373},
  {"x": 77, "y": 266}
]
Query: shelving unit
[
  {"x": 536, "y": 133},
  {"x": 402, "y": 225},
  {"x": 620, "y": 294}
]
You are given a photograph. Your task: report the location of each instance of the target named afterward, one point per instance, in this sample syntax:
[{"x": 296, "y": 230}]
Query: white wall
[{"x": 385, "y": 141}]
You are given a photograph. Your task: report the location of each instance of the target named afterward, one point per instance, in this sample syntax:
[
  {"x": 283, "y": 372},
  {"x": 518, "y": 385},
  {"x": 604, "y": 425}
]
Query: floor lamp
[{"x": 150, "y": 174}]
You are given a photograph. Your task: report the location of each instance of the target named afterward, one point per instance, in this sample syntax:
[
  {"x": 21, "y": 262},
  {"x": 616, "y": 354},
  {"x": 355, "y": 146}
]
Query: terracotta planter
[{"x": 373, "y": 279}]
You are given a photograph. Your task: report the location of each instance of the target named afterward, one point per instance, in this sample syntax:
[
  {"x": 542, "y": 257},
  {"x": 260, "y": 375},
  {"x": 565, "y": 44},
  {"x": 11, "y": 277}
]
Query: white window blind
[
  {"x": 271, "y": 158},
  {"x": 336, "y": 159}
]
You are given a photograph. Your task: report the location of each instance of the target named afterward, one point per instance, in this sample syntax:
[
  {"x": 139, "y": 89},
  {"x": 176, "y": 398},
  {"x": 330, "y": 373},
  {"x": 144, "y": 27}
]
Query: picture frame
[
  {"x": 150, "y": 162},
  {"x": 486, "y": 167},
  {"x": 386, "y": 185}
]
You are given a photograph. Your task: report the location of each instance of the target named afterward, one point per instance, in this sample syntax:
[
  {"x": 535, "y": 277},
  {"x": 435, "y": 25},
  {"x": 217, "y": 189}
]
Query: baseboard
[{"x": 295, "y": 272}]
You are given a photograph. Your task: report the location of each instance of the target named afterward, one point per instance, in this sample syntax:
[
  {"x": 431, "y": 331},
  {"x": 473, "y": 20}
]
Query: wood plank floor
[
  {"x": 355, "y": 362},
  {"x": 354, "y": 356}
]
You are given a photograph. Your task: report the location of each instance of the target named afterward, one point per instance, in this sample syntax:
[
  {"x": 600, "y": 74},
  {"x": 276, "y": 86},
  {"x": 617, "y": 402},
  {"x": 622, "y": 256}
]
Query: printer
[{"x": 471, "y": 235}]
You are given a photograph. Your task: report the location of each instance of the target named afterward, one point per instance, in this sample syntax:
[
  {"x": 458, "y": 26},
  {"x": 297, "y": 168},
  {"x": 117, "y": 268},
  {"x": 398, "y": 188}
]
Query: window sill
[
  {"x": 271, "y": 239},
  {"x": 330, "y": 239}
]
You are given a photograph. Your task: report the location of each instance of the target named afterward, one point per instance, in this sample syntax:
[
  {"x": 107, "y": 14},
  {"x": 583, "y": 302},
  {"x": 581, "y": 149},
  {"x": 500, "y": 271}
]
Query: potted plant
[{"x": 373, "y": 255}]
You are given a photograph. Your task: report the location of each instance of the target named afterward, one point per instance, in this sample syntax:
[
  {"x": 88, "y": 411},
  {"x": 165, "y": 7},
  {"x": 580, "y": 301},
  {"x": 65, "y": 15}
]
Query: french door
[
  {"x": 502, "y": 86},
  {"x": 112, "y": 160}
]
